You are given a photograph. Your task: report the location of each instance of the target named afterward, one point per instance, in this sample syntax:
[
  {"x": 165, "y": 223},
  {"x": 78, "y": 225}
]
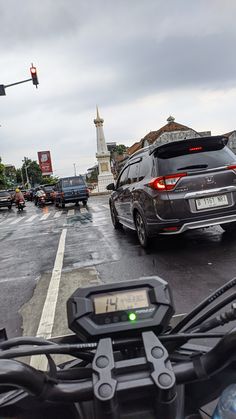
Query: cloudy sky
[{"x": 139, "y": 60}]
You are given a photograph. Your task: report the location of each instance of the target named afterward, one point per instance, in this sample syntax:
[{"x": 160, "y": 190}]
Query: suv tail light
[
  {"x": 232, "y": 167},
  {"x": 199, "y": 148},
  {"x": 166, "y": 183}
]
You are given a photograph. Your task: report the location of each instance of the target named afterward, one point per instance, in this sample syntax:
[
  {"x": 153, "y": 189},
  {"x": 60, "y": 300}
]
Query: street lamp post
[
  {"x": 26, "y": 172},
  {"x": 22, "y": 177}
]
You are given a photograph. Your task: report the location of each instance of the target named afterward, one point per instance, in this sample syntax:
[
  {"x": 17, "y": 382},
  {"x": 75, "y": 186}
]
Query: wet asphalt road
[{"x": 194, "y": 264}]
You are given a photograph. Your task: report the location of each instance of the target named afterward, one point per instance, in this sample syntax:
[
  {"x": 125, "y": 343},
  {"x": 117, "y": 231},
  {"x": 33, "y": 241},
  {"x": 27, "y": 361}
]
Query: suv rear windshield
[
  {"x": 198, "y": 161},
  {"x": 72, "y": 181},
  {"x": 48, "y": 188}
]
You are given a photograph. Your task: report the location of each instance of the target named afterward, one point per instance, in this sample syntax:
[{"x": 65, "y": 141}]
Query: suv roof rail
[{"x": 142, "y": 150}]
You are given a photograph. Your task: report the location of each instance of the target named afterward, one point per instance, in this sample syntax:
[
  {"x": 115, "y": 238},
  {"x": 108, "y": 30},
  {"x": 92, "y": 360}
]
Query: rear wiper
[{"x": 195, "y": 166}]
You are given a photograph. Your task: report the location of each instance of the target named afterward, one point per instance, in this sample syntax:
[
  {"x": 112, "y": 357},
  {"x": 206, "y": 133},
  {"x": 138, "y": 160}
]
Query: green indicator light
[{"x": 132, "y": 317}]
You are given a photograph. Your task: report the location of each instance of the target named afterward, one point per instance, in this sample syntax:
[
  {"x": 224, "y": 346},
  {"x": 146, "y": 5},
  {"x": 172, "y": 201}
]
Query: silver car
[{"x": 179, "y": 186}]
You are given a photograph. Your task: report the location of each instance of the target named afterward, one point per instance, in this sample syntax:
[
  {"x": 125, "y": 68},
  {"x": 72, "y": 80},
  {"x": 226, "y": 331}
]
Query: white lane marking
[
  {"x": 17, "y": 220},
  {"x": 71, "y": 212},
  {"x": 6, "y": 221},
  {"x": 49, "y": 308},
  {"x": 31, "y": 218},
  {"x": 58, "y": 214},
  {"x": 45, "y": 216}
]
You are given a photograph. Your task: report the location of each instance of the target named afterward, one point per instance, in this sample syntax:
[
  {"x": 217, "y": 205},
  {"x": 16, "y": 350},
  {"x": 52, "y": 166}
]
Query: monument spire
[
  {"x": 103, "y": 156},
  {"x": 101, "y": 142},
  {"x": 98, "y": 119}
]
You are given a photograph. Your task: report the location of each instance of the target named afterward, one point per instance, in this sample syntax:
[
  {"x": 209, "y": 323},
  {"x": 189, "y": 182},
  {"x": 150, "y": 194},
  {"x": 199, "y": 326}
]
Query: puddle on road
[{"x": 83, "y": 218}]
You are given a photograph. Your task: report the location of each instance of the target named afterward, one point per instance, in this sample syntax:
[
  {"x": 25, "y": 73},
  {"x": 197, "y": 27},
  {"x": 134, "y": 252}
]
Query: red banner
[{"x": 45, "y": 162}]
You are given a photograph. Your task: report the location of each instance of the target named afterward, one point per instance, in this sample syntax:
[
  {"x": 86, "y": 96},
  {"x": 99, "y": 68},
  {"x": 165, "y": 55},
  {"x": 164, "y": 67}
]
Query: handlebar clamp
[
  {"x": 162, "y": 375},
  {"x": 104, "y": 384}
]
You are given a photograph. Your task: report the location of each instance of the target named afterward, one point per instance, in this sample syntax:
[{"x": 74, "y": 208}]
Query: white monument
[{"x": 103, "y": 157}]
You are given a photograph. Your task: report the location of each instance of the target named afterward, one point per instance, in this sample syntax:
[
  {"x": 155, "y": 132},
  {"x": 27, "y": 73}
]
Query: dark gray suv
[{"x": 179, "y": 186}]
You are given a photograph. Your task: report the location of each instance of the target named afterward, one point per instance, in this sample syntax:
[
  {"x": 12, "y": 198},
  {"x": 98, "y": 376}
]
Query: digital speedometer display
[
  {"x": 120, "y": 309},
  {"x": 119, "y": 301}
]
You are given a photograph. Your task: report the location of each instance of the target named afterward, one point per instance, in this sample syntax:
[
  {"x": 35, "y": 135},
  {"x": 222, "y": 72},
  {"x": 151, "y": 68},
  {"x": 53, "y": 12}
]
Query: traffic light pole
[
  {"x": 34, "y": 79},
  {"x": 18, "y": 82},
  {"x": 3, "y": 87}
]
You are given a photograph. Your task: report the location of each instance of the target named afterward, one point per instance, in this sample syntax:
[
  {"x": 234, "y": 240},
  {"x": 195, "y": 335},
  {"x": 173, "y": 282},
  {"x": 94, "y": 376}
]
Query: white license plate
[{"x": 211, "y": 202}]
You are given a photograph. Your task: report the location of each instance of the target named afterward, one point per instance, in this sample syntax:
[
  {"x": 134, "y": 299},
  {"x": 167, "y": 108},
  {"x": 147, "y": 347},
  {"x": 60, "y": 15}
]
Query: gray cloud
[{"x": 116, "y": 54}]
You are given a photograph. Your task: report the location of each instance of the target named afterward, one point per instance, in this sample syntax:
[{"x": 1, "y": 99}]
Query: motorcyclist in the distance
[
  {"x": 19, "y": 197},
  {"x": 40, "y": 192}
]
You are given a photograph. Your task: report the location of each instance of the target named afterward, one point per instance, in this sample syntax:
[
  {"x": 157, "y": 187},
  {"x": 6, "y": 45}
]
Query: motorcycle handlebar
[
  {"x": 38, "y": 383},
  {"x": 16, "y": 374}
]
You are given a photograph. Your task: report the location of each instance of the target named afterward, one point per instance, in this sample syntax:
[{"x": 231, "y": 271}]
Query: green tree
[
  {"x": 19, "y": 177},
  {"x": 2, "y": 175},
  {"x": 93, "y": 176},
  {"x": 117, "y": 154},
  {"x": 10, "y": 175},
  {"x": 34, "y": 172},
  {"x": 120, "y": 149},
  {"x": 49, "y": 180}
]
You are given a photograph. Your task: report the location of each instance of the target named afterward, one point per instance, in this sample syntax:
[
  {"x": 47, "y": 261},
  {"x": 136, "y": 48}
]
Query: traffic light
[{"x": 34, "y": 76}]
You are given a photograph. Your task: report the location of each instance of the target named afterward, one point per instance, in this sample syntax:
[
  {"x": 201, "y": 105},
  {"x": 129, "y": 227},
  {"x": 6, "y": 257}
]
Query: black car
[
  {"x": 49, "y": 192},
  {"x": 5, "y": 199},
  {"x": 179, "y": 186}
]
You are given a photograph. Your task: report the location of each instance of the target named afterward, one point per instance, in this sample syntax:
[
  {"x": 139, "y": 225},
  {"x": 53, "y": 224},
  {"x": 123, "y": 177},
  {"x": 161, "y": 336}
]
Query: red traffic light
[{"x": 34, "y": 76}]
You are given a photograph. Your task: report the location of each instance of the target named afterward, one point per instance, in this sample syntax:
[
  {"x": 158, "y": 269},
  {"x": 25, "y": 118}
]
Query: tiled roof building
[
  {"x": 232, "y": 140},
  {"x": 172, "y": 131},
  {"x": 133, "y": 148}
]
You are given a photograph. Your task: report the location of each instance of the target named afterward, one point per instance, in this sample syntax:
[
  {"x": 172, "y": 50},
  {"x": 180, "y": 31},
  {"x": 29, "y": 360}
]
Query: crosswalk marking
[
  {"x": 45, "y": 216},
  {"x": 17, "y": 220},
  {"x": 27, "y": 218},
  {"x": 57, "y": 214},
  {"x": 5, "y": 221},
  {"x": 31, "y": 218}
]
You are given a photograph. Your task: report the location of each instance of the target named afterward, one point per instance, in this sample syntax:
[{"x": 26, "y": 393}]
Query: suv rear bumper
[
  {"x": 81, "y": 197},
  {"x": 201, "y": 224}
]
